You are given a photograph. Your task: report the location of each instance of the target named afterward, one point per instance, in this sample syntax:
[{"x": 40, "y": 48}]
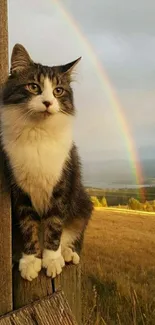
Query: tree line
[{"x": 132, "y": 204}]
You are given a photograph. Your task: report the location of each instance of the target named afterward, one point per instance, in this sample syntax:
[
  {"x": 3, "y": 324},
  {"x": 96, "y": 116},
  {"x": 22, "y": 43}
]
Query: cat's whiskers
[
  {"x": 62, "y": 111},
  {"x": 22, "y": 118}
]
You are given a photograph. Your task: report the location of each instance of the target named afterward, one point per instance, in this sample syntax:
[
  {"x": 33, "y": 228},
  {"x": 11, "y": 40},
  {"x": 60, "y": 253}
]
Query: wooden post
[
  {"x": 52, "y": 310},
  {"x": 3, "y": 41},
  {"x": 5, "y": 203},
  {"x": 70, "y": 282},
  {"x": 25, "y": 292}
]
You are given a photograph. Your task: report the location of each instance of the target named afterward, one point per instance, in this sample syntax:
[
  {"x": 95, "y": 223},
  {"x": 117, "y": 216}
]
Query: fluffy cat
[{"x": 49, "y": 202}]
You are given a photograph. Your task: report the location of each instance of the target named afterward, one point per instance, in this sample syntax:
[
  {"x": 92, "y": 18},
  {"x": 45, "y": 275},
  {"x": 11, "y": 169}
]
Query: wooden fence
[{"x": 41, "y": 301}]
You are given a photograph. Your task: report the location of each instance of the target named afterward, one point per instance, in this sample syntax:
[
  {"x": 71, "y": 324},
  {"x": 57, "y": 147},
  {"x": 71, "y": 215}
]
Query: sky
[{"x": 121, "y": 36}]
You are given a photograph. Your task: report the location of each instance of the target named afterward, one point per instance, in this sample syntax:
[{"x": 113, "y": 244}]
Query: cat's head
[{"x": 39, "y": 91}]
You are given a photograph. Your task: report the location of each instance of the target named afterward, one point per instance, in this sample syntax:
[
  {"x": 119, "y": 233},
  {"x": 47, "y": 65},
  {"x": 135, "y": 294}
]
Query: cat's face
[{"x": 38, "y": 90}]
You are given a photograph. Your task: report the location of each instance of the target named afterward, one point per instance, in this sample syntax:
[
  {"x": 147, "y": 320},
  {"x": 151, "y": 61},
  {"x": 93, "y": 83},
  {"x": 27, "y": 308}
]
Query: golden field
[{"x": 118, "y": 266}]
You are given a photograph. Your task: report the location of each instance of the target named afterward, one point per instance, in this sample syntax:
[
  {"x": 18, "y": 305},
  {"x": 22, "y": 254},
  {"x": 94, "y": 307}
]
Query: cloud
[{"x": 119, "y": 16}]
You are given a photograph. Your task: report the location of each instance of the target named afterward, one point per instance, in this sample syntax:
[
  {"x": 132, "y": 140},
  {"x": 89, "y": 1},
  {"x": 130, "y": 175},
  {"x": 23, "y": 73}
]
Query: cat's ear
[
  {"x": 20, "y": 59},
  {"x": 69, "y": 67}
]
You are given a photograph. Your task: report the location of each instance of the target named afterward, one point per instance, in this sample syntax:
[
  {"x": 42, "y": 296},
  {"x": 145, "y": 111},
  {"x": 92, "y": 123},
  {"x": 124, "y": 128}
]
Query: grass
[{"x": 118, "y": 265}]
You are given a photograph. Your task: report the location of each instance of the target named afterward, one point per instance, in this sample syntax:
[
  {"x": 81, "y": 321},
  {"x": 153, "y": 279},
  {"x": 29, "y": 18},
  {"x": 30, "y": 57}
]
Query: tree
[
  {"x": 104, "y": 202},
  {"x": 95, "y": 201},
  {"x": 153, "y": 205},
  {"x": 148, "y": 207},
  {"x": 135, "y": 204}
]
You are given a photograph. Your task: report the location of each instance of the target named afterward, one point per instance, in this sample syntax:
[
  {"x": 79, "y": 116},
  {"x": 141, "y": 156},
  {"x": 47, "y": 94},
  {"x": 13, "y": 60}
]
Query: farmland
[{"x": 118, "y": 267}]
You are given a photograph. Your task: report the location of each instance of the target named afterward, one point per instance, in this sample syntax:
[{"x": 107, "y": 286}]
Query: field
[{"x": 118, "y": 265}]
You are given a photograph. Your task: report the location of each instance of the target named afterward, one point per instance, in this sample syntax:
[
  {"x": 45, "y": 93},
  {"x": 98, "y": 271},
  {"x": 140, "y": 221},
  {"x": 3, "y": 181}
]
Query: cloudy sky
[{"x": 120, "y": 36}]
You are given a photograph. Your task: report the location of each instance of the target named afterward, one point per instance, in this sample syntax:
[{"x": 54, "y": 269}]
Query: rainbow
[{"x": 111, "y": 95}]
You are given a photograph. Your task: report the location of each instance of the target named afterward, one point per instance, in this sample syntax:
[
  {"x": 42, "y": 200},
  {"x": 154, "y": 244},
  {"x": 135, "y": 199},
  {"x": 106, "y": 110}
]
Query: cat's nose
[{"x": 47, "y": 103}]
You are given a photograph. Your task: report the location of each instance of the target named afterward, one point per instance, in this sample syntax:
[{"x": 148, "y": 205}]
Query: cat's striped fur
[{"x": 49, "y": 203}]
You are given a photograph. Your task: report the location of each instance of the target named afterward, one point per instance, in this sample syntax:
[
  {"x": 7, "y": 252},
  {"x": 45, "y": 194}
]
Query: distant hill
[{"x": 116, "y": 172}]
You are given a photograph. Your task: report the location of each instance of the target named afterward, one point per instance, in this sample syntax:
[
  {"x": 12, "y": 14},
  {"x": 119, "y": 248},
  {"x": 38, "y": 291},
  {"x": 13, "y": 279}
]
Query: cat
[{"x": 50, "y": 204}]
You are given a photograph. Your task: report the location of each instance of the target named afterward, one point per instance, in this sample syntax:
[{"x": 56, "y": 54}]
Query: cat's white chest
[{"x": 37, "y": 158}]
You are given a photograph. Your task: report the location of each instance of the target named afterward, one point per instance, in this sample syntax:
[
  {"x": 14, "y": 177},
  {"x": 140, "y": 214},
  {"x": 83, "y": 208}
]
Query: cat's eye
[
  {"x": 58, "y": 91},
  {"x": 33, "y": 88}
]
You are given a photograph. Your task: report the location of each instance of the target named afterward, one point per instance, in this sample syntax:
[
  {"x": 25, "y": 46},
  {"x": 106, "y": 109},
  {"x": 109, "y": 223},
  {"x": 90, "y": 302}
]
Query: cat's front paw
[
  {"x": 70, "y": 256},
  {"x": 53, "y": 262},
  {"x": 29, "y": 267}
]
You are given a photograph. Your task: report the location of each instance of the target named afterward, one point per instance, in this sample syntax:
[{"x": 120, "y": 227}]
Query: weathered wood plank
[
  {"x": 3, "y": 41},
  {"x": 52, "y": 310},
  {"x": 70, "y": 282},
  {"x": 25, "y": 292},
  {"x": 5, "y": 202}
]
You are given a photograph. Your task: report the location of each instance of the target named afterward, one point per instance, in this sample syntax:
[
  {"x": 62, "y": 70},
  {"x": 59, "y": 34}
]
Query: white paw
[
  {"x": 53, "y": 262},
  {"x": 70, "y": 256},
  {"x": 29, "y": 267}
]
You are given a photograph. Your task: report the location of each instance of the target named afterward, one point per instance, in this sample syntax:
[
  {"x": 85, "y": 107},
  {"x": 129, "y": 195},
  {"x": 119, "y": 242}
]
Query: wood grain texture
[
  {"x": 52, "y": 310},
  {"x": 5, "y": 202},
  {"x": 25, "y": 292},
  {"x": 3, "y": 41},
  {"x": 70, "y": 282}
]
